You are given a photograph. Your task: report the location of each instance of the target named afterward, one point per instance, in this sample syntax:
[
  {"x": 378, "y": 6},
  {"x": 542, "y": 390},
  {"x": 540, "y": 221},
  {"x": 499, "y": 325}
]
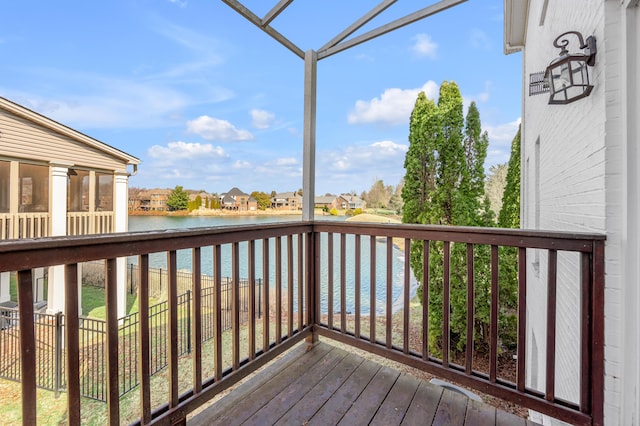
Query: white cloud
[
  {"x": 479, "y": 39},
  {"x": 480, "y": 97},
  {"x": 184, "y": 150},
  {"x": 261, "y": 119},
  {"x": 211, "y": 128},
  {"x": 241, "y": 164},
  {"x": 376, "y": 156},
  {"x": 503, "y": 132},
  {"x": 500, "y": 138},
  {"x": 288, "y": 161},
  {"x": 360, "y": 165},
  {"x": 393, "y": 107},
  {"x": 424, "y": 46},
  {"x": 180, "y": 3}
]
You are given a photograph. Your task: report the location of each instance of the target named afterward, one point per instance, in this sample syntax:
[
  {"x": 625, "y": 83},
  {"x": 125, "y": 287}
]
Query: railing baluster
[
  {"x": 27, "y": 347},
  {"x": 251, "y": 268},
  {"x": 173, "y": 340},
  {"x": 470, "y": 310},
  {"x": 300, "y": 281},
  {"x": 493, "y": 346},
  {"x": 551, "y": 326},
  {"x": 343, "y": 283},
  {"x": 217, "y": 312},
  {"x": 111, "y": 307},
  {"x": 358, "y": 279},
  {"x": 446, "y": 305},
  {"x": 278, "y": 290},
  {"x": 426, "y": 257},
  {"x": 196, "y": 318},
  {"x": 265, "y": 299},
  {"x": 330, "y": 280},
  {"x": 389, "y": 294},
  {"x": 372, "y": 289},
  {"x": 235, "y": 303},
  {"x": 407, "y": 301},
  {"x": 290, "y": 317},
  {"x": 144, "y": 338},
  {"x": 72, "y": 343},
  {"x": 522, "y": 319}
]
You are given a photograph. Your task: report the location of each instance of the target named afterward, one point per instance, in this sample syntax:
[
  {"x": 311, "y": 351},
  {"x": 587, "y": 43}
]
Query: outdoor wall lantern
[{"x": 568, "y": 75}]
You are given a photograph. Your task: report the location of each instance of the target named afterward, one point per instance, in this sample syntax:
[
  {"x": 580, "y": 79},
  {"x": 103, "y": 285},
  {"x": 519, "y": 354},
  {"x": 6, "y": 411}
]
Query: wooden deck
[{"x": 329, "y": 385}]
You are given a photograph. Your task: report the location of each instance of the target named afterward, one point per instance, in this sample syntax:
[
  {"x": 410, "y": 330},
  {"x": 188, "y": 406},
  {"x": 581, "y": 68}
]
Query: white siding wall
[
  {"x": 22, "y": 138},
  {"x": 563, "y": 156},
  {"x": 582, "y": 177}
]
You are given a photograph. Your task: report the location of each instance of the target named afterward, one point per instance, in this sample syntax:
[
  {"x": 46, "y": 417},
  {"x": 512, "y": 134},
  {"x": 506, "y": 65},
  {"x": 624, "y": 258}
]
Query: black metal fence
[{"x": 50, "y": 342}]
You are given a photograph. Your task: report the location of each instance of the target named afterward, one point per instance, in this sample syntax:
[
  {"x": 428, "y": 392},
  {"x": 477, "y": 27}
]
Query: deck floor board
[{"x": 328, "y": 385}]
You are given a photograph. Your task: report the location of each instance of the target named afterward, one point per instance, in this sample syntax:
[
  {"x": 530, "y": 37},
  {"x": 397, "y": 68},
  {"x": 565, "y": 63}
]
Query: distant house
[
  {"x": 56, "y": 181},
  {"x": 153, "y": 199},
  {"x": 286, "y": 201},
  {"x": 205, "y": 197},
  {"x": 327, "y": 202},
  {"x": 340, "y": 202},
  {"x": 235, "y": 199},
  {"x": 352, "y": 202}
]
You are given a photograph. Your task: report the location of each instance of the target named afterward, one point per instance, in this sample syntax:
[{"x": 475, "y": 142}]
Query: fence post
[
  {"x": 188, "y": 321},
  {"x": 131, "y": 278},
  {"x": 57, "y": 369}
]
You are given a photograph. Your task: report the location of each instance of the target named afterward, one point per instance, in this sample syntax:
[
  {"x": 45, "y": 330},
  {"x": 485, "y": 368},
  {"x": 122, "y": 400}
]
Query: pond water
[{"x": 184, "y": 261}]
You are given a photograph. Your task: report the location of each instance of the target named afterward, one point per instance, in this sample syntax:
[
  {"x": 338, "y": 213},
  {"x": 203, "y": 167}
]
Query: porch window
[
  {"x": 78, "y": 192},
  {"x": 5, "y": 176},
  {"x": 34, "y": 188},
  {"x": 104, "y": 192}
]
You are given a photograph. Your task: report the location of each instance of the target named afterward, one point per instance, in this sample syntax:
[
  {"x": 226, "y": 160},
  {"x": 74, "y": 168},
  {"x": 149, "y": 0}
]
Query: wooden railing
[
  {"x": 305, "y": 267},
  {"x": 24, "y": 225},
  {"x": 84, "y": 223},
  {"x": 37, "y": 225}
]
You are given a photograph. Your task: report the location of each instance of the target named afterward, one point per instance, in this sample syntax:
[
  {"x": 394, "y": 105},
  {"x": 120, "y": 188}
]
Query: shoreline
[{"x": 215, "y": 212}]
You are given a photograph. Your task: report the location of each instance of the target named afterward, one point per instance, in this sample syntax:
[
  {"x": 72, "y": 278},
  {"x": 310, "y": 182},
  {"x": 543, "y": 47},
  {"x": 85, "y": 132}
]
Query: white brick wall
[{"x": 581, "y": 178}]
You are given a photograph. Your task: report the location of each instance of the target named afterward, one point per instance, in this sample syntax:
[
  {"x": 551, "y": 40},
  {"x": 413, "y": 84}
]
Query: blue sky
[{"x": 208, "y": 101}]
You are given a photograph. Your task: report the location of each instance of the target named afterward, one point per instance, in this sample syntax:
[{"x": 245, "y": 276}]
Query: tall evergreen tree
[
  {"x": 420, "y": 161},
  {"x": 444, "y": 184},
  {"x": 509, "y": 217},
  {"x": 510, "y": 212}
]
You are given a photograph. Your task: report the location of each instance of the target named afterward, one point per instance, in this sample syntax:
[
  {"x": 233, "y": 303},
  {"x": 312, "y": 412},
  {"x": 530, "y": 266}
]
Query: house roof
[
  {"x": 285, "y": 195},
  {"x": 53, "y": 125},
  {"x": 325, "y": 199},
  {"x": 515, "y": 24},
  {"x": 234, "y": 192}
]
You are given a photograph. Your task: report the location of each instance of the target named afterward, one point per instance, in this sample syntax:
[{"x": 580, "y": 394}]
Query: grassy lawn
[
  {"x": 52, "y": 410},
  {"x": 92, "y": 300}
]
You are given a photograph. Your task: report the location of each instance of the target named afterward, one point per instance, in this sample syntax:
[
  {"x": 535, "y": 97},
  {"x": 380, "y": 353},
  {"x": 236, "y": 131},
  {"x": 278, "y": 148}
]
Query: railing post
[
  {"x": 597, "y": 354},
  {"x": 312, "y": 281}
]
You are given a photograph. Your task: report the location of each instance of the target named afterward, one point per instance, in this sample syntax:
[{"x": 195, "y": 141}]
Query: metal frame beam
[
  {"x": 391, "y": 26},
  {"x": 275, "y": 11},
  {"x": 358, "y": 24},
  {"x": 311, "y": 58},
  {"x": 254, "y": 19}
]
